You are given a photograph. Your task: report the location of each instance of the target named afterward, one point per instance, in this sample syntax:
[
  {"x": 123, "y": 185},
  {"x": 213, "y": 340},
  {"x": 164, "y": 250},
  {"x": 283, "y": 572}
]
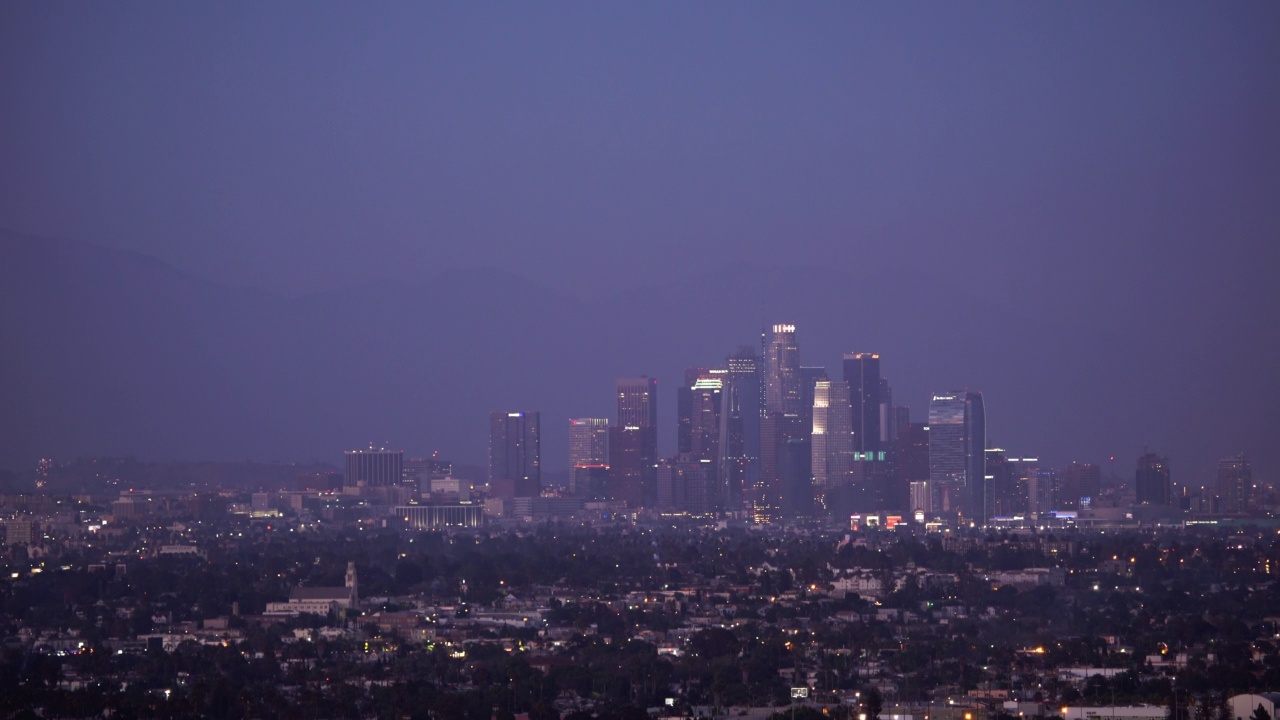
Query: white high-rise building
[{"x": 832, "y": 452}]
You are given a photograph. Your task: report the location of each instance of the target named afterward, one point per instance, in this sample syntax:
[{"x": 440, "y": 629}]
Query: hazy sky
[
  {"x": 305, "y": 145},
  {"x": 1118, "y": 158}
]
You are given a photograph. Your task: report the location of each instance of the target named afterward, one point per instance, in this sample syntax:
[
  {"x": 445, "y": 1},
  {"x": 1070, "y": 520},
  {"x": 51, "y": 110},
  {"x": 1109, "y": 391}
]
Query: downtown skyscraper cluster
[{"x": 767, "y": 438}]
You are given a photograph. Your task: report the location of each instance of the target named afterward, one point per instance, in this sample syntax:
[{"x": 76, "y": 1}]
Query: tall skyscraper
[
  {"x": 515, "y": 455},
  {"x": 638, "y": 402},
  {"x": 627, "y": 467},
  {"x": 780, "y": 420},
  {"x": 706, "y": 407},
  {"x": 810, "y": 376},
  {"x": 741, "y": 453},
  {"x": 374, "y": 467},
  {"x": 862, "y": 374},
  {"x": 795, "y": 476},
  {"x": 912, "y": 453},
  {"x": 781, "y": 369},
  {"x": 889, "y": 414},
  {"x": 957, "y": 450},
  {"x": 832, "y": 447},
  {"x": 1151, "y": 480},
  {"x": 1000, "y": 484},
  {"x": 684, "y": 409},
  {"x": 588, "y": 456},
  {"x": 633, "y": 443},
  {"x": 1235, "y": 484}
]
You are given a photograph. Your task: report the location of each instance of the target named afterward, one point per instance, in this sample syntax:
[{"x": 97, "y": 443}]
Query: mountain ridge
[{"x": 106, "y": 352}]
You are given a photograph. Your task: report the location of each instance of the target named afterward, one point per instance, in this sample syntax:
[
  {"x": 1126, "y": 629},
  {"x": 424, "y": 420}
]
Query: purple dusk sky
[{"x": 1096, "y": 180}]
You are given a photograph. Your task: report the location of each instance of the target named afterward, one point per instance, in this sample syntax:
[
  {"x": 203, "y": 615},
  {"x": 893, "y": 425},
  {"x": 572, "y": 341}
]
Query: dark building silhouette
[
  {"x": 957, "y": 453},
  {"x": 419, "y": 472},
  {"x": 515, "y": 455},
  {"x": 687, "y": 484},
  {"x": 1079, "y": 481},
  {"x": 875, "y": 484},
  {"x": 862, "y": 373},
  {"x": 374, "y": 467},
  {"x": 889, "y": 415},
  {"x": 633, "y": 443},
  {"x": 318, "y": 481},
  {"x": 627, "y": 466},
  {"x": 795, "y": 476},
  {"x": 1235, "y": 484},
  {"x": 740, "y": 447},
  {"x": 1001, "y": 485},
  {"x": 912, "y": 452},
  {"x": 1151, "y": 480}
]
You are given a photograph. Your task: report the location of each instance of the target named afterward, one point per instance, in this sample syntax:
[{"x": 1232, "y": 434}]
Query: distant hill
[{"x": 113, "y": 353}]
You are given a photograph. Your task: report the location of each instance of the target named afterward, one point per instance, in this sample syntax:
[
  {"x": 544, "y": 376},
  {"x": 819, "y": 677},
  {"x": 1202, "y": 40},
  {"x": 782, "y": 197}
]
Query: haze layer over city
[
  {"x": 280, "y": 232},
  {"x": 640, "y": 361}
]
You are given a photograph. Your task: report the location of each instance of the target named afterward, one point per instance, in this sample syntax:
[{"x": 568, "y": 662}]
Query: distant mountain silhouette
[
  {"x": 109, "y": 352},
  {"x": 105, "y": 352}
]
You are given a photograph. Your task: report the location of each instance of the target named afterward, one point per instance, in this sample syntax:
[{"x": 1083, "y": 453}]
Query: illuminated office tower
[
  {"x": 810, "y": 376},
  {"x": 633, "y": 443},
  {"x": 374, "y": 467},
  {"x": 706, "y": 408},
  {"x": 684, "y": 409},
  {"x": 588, "y": 456},
  {"x": 780, "y": 419},
  {"x": 781, "y": 370},
  {"x": 515, "y": 455},
  {"x": 862, "y": 374},
  {"x": 638, "y": 402},
  {"x": 957, "y": 449},
  {"x": 1151, "y": 480},
  {"x": 1235, "y": 483},
  {"x": 832, "y": 447}
]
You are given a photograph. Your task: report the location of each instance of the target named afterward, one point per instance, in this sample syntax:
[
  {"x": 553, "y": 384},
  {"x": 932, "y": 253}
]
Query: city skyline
[
  {"x": 813, "y": 465},
  {"x": 726, "y": 360},
  {"x": 272, "y": 232}
]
